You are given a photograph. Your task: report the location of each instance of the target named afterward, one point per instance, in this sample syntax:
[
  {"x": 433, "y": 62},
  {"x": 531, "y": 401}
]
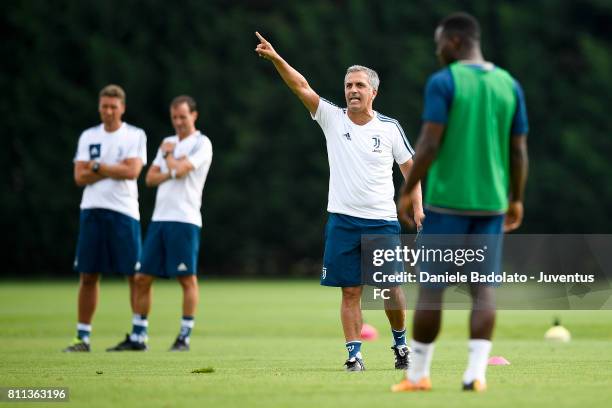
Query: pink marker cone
[
  {"x": 368, "y": 332},
  {"x": 498, "y": 360}
]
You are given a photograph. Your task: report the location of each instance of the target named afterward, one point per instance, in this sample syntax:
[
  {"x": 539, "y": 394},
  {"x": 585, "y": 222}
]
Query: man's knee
[
  {"x": 483, "y": 297},
  {"x": 429, "y": 298},
  {"x": 351, "y": 294},
  {"x": 396, "y": 293},
  {"x": 188, "y": 282},
  {"x": 143, "y": 281},
  {"x": 396, "y": 300},
  {"x": 89, "y": 279}
]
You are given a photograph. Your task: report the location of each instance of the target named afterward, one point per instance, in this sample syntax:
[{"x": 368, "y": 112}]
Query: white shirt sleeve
[
  {"x": 82, "y": 153},
  {"x": 201, "y": 153},
  {"x": 326, "y": 115},
  {"x": 402, "y": 151},
  {"x": 159, "y": 160},
  {"x": 138, "y": 148}
]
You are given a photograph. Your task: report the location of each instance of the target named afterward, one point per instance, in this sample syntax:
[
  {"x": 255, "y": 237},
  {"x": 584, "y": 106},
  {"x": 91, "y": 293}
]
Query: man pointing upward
[{"x": 362, "y": 145}]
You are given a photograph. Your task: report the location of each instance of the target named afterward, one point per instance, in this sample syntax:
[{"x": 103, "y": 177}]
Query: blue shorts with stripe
[
  {"x": 171, "y": 249},
  {"x": 108, "y": 242},
  {"x": 462, "y": 232},
  {"x": 342, "y": 260}
]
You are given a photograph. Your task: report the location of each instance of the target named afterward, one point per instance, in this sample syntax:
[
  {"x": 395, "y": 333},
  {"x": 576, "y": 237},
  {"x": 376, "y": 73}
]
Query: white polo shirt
[
  {"x": 361, "y": 162},
  {"x": 180, "y": 199},
  {"x": 111, "y": 148}
]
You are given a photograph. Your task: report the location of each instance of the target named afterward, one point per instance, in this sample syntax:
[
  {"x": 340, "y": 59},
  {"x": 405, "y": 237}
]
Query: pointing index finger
[{"x": 263, "y": 40}]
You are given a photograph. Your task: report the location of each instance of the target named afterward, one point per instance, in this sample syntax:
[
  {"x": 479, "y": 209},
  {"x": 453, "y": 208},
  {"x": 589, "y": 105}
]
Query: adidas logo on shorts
[{"x": 182, "y": 267}]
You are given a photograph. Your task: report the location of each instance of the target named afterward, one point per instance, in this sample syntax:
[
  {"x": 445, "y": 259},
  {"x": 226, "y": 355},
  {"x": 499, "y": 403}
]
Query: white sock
[
  {"x": 478, "y": 359},
  {"x": 420, "y": 360},
  {"x": 86, "y": 330},
  {"x": 139, "y": 329},
  {"x": 186, "y": 328}
]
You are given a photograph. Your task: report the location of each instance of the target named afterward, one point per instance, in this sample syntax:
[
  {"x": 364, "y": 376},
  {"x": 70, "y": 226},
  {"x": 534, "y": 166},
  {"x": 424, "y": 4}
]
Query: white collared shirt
[
  {"x": 180, "y": 199},
  {"x": 112, "y": 148},
  {"x": 361, "y": 162}
]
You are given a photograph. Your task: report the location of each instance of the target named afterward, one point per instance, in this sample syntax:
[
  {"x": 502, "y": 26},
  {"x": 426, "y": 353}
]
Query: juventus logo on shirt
[{"x": 376, "y": 140}]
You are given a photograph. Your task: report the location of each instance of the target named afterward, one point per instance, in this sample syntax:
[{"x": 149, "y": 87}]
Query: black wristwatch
[{"x": 95, "y": 167}]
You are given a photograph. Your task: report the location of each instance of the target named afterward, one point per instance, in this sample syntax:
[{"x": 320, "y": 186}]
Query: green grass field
[{"x": 279, "y": 344}]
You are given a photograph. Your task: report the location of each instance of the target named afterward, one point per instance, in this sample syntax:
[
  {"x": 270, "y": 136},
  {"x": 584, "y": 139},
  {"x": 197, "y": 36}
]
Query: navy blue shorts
[
  {"x": 109, "y": 242},
  {"x": 456, "y": 232},
  {"x": 342, "y": 260},
  {"x": 171, "y": 249}
]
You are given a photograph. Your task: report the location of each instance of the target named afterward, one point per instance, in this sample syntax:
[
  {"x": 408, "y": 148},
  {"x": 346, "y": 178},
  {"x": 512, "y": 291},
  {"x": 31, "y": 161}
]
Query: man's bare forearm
[
  {"x": 294, "y": 80},
  {"x": 155, "y": 178},
  {"x": 119, "y": 171},
  {"x": 416, "y": 197},
  {"x": 519, "y": 167},
  {"x": 181, "y": 166},
  {"x": 86, "y": 177}
]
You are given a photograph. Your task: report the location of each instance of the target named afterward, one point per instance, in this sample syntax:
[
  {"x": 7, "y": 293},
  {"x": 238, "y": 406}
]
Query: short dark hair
[
  {"x": 463, "y": 25},
  {"x": 181, "y": 99}
]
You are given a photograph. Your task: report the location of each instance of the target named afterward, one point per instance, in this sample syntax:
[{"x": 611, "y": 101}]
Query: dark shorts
[
  {"x": 456, "y": 232},
  {"x": 171, "y": 249},
  {"x": 342, "y": 260},
  {"x": 109, "y": 242}
]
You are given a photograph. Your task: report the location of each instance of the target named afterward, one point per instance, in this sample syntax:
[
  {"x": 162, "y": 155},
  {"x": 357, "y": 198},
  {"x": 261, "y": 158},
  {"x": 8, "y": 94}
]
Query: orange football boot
[{"x": 424, "y": 384}]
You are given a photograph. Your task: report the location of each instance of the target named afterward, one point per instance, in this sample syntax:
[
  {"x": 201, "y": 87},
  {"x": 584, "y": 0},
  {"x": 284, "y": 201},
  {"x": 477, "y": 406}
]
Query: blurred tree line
[{"x": 265, "y": 198}]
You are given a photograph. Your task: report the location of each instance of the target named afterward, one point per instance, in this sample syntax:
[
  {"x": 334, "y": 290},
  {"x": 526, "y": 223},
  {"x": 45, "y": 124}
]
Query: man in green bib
[{"x": 473, "y": 149}]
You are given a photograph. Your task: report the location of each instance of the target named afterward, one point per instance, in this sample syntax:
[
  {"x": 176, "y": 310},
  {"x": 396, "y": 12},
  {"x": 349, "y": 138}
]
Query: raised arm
[{"x": 294, "y": 80}]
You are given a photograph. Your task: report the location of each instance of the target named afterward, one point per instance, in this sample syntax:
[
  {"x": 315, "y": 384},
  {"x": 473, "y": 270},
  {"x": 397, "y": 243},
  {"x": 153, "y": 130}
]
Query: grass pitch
[{"x": 279, "y": 344}]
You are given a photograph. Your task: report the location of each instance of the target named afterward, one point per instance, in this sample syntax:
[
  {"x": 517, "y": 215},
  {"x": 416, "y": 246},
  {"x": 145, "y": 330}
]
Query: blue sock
[
  {"x": 354, "y": 349},
  {"x": 83, "y": 332},
  {"x": 399, "y": 337},
  {"x": 187, "y": 323},
  {"x": 139, "y": 328}
]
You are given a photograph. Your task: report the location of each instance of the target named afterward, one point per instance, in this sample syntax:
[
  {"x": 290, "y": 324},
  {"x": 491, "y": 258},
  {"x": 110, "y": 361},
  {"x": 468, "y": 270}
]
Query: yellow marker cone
[{"x": 557, "y": 333}]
